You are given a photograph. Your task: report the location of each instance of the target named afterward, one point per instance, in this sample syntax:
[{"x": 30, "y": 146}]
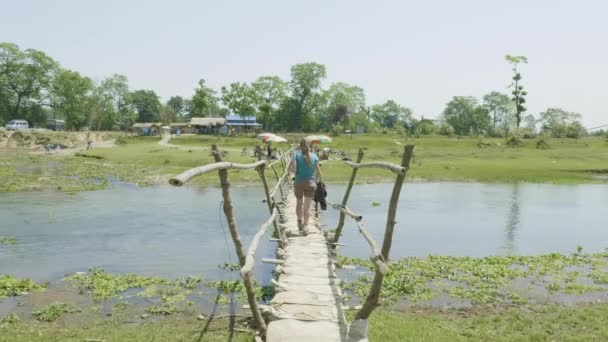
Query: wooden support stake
[
  {"x": 372, "y": 301},
  {"x": 185, "y": 176},
  {"x": 238, "y": 244},
  {"x": 250, "y": 258},
  {"x": 353, "y": 175},
  {"x": 269, "y": 199},
  {"x": 376, "y": 257},
  {"x": 345, "y": 210},
  {"x": 380, "y": 165},
  {"x": 277, "y": 176}
]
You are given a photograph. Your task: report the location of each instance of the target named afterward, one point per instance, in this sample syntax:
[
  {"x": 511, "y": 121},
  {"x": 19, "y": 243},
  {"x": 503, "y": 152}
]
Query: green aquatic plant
[
  {"x": 8, "y": 240},
  {"x": 104, "y": 285},
  {"x": 10, "y": 319},
  {"x": 11, "y": 286},
  {"x": 53, "y": 311},
  {"x": 229, "y": 267},
  {"x": 162, "y": 309},
  {"x": 484, "y": 280},
  {"x": 170, "y": 294}
]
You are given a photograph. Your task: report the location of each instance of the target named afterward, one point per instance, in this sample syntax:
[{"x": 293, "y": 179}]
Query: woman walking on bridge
[{"x": 304, "y": 164}]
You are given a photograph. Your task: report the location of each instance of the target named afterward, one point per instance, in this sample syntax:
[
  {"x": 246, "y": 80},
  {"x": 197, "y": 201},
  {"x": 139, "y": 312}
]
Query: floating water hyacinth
[{"x": 8, "y": 240}]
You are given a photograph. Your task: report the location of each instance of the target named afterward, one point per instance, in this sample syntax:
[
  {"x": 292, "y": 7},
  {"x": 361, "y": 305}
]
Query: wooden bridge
[{"x": 307, "y": 305}]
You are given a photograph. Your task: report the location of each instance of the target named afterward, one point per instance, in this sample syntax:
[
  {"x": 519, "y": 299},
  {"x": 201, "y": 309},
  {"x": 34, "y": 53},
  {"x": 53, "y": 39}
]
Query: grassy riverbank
[
  {"x": 530, "y": 323},
  {"x": 143, "y": 161}
]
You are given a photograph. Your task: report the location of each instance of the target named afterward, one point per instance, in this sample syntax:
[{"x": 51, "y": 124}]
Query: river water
[{"x": 174, "y": 232}]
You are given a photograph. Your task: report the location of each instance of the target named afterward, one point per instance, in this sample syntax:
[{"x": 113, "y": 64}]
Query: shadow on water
[{"x": 512, "y": 223}]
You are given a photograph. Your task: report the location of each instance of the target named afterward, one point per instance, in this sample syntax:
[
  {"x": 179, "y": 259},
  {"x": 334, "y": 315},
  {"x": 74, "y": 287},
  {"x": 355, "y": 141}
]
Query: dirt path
[{"x": 74, "y": 150}]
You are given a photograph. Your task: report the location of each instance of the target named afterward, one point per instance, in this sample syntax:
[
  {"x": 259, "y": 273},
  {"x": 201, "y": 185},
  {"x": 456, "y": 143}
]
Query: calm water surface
[{"x": 174, "y": 232}]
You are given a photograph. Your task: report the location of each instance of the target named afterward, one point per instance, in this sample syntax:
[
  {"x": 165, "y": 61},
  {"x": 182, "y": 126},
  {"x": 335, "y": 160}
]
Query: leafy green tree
[
  {"x": 575, "y": 130},
  {"x": 203, "y": 102},
  {"x": 501, "y": 108},
  {"x": 556, "y": 121},
  {"x": 116, "y": 89},
  {"x": 167, "y": 114},
  {"x": 530, "y": 124},
  {"x": 390, "y": 114},
  {"x": 466, "y": 116},
  {"x": 519, "y": 94},
  {"x": 305, "y": 87},
  {"x": 178, "y": 106},
  {"x": 25, "y": 77},
  {"x": 426, "y": 127},
  {"x": 240, "y": 98},
  {"x": 343, "y": 100},
  {"x": 270, "y": 93},
  {"x": 102, "y": 114},
  {"x": 146, "y": 104},
  {"x": 69, "y": 95}
]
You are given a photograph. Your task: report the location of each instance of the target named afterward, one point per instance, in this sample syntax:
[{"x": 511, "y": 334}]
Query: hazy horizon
[{"x": 418, "y": 54}]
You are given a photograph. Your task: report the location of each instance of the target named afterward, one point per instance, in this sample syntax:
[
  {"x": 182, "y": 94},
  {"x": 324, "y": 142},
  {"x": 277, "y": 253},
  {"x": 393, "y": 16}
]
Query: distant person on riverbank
[
  {"x": 57, "y": 149},
  {"x": 47, "y": 148},
  {"x": 89, "y": 144},
  {"x": 304, "y": 164}
]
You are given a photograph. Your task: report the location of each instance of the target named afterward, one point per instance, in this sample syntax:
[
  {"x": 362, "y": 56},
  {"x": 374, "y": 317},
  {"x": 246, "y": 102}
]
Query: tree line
[{"x": 35, "y": 87}]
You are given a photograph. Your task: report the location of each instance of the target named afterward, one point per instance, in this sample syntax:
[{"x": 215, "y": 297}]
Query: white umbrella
[
  {"x": 263, "y": 135},
  {"x": 317, "y": 139},
  {"x": 274, "y": 138}
]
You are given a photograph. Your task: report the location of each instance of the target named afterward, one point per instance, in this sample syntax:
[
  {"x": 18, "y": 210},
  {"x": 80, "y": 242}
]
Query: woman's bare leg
[
  {"x": 306, "y": 210},
  {"x": 299, "y": 209}
]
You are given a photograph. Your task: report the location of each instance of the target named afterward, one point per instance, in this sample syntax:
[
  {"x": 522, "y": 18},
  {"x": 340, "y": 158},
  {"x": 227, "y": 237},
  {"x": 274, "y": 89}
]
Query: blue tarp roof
[{"x": 235, "y": 117}]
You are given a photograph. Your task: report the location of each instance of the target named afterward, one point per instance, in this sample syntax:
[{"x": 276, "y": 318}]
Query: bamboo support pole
[
  {"x": 269, "y": 199},
  {"x": 184, "y": 177},
  {"x": 345, "y": 211},
  {"x": 278, "y": 177},
  {"x": 372, "y": 301},
  {"x": 250, "y": 257},
  {"x": 381, "y": 165},
  {"x": 351, "y": 182},
  {"x": 238, "y": 244},
  {"x": 376, "y": 257},
  {"x": 279, "y": 182}
]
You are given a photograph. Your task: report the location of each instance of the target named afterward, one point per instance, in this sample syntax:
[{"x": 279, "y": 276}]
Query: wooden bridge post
[
  {"x": 238, "y": 244},
  {"x": 269, "y": 200},
  {"x": 338, "y": 231},
  {"x": 373, "y": 298}
]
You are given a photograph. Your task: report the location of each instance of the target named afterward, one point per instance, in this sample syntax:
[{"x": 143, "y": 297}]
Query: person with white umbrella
[{"x": 304, "y": 164}]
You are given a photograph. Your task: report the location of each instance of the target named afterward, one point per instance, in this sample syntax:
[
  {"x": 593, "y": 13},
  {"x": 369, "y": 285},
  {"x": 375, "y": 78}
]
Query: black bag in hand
[{"x": 320, "y": 195}]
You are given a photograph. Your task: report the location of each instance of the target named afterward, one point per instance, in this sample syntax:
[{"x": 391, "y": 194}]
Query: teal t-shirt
[{"x": 305, "y": 171}]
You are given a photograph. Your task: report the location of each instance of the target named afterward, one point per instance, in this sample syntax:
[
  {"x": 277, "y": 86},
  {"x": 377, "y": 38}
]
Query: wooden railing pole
[
  {"x": 238, "y": 244},
  {"x": 338, "y": 231},
  {"x": 269, "y": 200},
  {"x": 373, "y": 298},
  {"x": 278, "y": 177}
]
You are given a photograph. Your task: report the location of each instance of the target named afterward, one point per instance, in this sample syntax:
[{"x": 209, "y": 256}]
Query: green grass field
[
  {"x": 142, "y": 160},
  {"x": 529, "y": 323}
]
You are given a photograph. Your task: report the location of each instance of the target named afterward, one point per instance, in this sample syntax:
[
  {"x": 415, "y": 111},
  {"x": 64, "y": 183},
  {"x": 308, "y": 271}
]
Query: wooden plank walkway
[{"x": 307, "y": 305}]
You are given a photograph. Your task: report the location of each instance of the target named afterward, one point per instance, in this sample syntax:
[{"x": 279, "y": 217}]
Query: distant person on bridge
[{"x": 305, "y": 164}]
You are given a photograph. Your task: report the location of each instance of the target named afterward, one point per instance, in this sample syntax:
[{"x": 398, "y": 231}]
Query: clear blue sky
[{"x": 419, "y": 53}]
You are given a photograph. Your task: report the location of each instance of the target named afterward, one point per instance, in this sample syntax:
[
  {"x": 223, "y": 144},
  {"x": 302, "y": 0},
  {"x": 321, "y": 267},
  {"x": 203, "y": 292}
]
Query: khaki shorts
[{"x": 305, "y": 188}]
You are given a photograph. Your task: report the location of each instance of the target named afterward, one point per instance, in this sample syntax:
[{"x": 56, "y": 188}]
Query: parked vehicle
[
  {"x": 17, "y": 125},
  {"x": 55, "y": 125}
]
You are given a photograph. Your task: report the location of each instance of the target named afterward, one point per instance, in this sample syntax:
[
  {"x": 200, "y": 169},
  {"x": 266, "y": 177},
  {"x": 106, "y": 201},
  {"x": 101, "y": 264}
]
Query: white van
[{"x": 17, "y": 125}]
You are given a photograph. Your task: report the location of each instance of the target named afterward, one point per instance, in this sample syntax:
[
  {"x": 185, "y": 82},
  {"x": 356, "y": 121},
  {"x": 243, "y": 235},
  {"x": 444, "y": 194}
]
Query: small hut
[
  {"x": 206, "y": 125},
  {"x": 147, "y": 128}
]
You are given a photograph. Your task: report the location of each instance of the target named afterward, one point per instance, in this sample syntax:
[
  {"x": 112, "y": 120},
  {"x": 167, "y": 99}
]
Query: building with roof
[
  {"x": 147, "y": 128},
  {"x": 206, "y": 125},
  {"x": 242, "y": 124}
]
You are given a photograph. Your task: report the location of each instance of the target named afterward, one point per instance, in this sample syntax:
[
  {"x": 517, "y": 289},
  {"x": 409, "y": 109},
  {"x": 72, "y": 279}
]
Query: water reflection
[{"x": 512, "y": 223}]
